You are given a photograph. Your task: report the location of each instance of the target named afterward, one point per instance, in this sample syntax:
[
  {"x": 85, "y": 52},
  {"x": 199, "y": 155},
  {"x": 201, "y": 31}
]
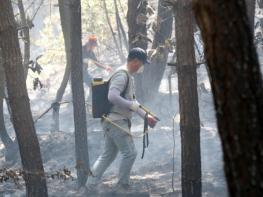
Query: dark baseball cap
[{"x": 140, "y": 54}]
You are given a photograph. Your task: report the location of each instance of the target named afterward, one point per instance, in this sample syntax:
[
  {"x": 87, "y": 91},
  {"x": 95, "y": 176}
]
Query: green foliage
[
  {"x": 93, "y": 22},
  {"x": 51, "y": 41}
]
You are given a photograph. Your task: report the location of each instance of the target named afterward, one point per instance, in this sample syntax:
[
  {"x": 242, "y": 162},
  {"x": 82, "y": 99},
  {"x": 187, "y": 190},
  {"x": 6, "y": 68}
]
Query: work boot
[
  {"x": 92, "y": 185},
  {"x": 121, "y": 188},
  {"x": 91, "y": 189}
]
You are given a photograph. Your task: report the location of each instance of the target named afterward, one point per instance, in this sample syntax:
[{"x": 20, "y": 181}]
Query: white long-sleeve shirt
[{"x": 122, "y": 105}]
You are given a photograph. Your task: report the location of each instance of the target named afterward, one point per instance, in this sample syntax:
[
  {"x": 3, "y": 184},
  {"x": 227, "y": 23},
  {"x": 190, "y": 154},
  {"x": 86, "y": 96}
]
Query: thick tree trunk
[
  {"x": 153, "y": 73},
  {"x": 26, "y": 36},
  {"x": 19, "y": 101},
  {"x": 64, "y": 18},
  {"x": 136, "y": 23},
  {"x": 238, "y": 91},
  {"x": 136, "y": 18},
  {"x": 188, "y": 100},
  {"x": 81, "y": 144}
]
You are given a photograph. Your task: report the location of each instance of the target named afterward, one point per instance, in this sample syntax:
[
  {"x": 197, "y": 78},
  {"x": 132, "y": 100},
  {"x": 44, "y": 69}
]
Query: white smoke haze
[{"x": 152, "y": 174}]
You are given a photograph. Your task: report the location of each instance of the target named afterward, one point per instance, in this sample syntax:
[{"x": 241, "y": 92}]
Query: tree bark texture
[
  {"x": 26, "y": 36},
  {"x": 120, "y": 52},
  {"x": 136, "y": 18},
  {"x": 137, "y": 33},
  {"x": 11, "y": 147},
  {"x": 81, "y": 142},
  {"x": 260, "y": 3},
  {"x": 237, "y": 89},
  {"x": 188, "y": 100},
  {"x": 7, "y": 141},
  {"x": 64, "y": 18},
  {"x": 153, "y": 73},
  {"x": 121, "y": 31},
  {"x": 251, "y": 6},
  {"x": 19, "y": 102}
]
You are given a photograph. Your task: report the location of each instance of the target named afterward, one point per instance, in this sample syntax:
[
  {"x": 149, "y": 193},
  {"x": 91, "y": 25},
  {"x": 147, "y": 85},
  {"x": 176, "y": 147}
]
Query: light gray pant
[{"x": 115, "y": 140}]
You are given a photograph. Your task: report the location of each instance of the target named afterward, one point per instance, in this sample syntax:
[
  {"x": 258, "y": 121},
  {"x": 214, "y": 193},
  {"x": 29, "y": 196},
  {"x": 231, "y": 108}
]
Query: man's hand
[
  {"x": 108, "y": 68},
  {"x": 135, "y": 106},
  {"x": 151, "y": 121}
]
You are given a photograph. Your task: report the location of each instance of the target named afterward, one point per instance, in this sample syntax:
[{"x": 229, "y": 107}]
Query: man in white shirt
[{"x": 122, "y": 96}]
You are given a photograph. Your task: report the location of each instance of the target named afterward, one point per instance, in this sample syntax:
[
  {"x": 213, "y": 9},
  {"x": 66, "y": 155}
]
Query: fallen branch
[{"x": 17, "y": 175}]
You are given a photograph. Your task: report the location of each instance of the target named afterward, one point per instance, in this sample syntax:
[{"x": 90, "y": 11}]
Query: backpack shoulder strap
[{"x": 127, "y": 83}]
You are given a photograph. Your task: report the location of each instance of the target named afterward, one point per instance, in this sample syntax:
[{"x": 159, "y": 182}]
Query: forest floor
[{"x": 151, "y": 176}]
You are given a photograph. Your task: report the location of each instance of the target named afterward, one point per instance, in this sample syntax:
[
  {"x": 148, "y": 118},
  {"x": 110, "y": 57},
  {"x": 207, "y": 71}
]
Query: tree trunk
[
  {"x": 81, "y": 144},
  {"x": 19, "y": 101},
  {"x": 137, "y": 27},
  {"x": 26, "y": 36},
  {"x": 251, "y": 6},
  {"x": 188, "y": 100},
  {"x": 117, "y": 25},
  {"x": 260, "y": 4},
  {"x": 153, "y": 73},
  {"x": 120, "y": 52},
  {"x": 136, "y": 18},
  {"x": 7, "y": 141},
  {"x": 55, "y": 126},
  {"x": 64, "y": 18},
  {"x": 11, "y": 147},
  {"x": 238, "y": 91},
  {"x": 121, "y": 31}
]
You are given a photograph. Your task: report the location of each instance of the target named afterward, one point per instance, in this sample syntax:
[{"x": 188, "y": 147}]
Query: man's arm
[
  {"x": 117, "y": 86},
  {"x": 98, "y": 64},
  {"x": 85, "y": 63},
  {"x": 115, "y": 98}
]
